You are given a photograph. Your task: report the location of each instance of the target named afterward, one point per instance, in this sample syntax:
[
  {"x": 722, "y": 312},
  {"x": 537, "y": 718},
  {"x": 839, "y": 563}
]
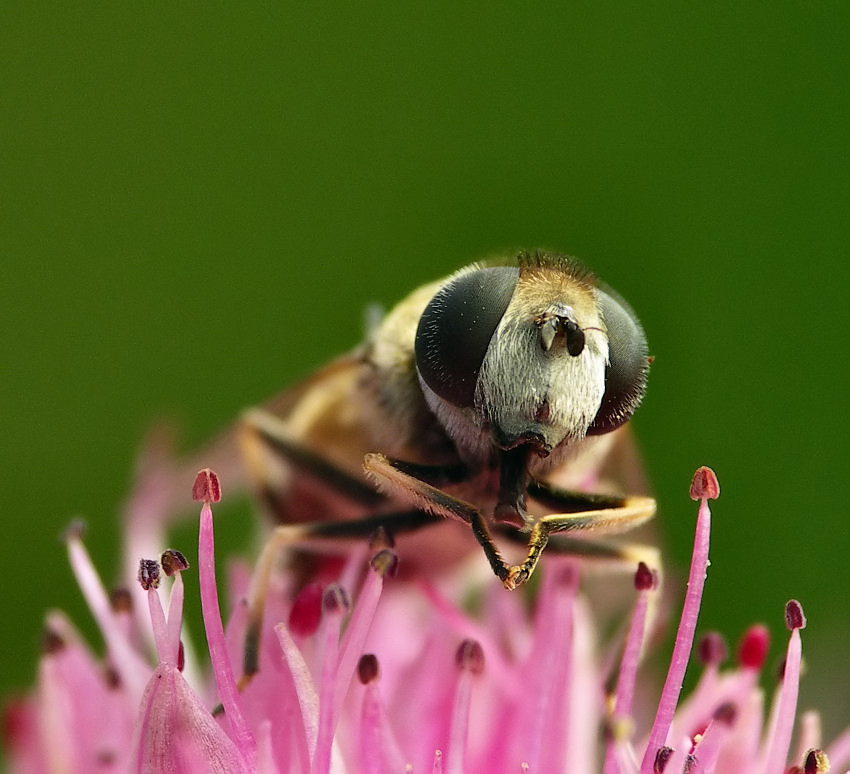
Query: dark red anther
[
  {"x": 704, "y": 485},
  {"x": 470, "y": 657},
  {"x": 206, "y": 488},
  {"x": 149, "y": 574},
  {"x": 794, "y": 616},
  {"x": 111, "y": 678},
  {"x": 726, "y": 713},
  {"x": 645, "y": 579},
  {"x": 173, "y": 561},
  {"x": 712, "y": 649},
  {"x": 661, "y": 758},
  {"x": 367, "y": 668},
  {"x": 817, "y": 762}
]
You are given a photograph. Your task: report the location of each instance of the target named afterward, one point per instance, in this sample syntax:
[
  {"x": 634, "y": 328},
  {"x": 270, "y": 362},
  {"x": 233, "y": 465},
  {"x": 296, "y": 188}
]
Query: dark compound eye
[
  {"x": 625, "y": 376},
  {"x": 456, "y": 327}
]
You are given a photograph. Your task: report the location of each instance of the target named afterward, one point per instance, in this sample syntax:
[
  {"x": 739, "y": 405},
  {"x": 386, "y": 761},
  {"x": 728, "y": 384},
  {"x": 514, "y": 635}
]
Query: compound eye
[
  {"x": 628, "y": 364},
  {"x": 456, "y": 327}
]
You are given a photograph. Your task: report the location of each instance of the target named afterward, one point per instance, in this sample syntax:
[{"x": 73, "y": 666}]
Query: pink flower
[{"x": 374, "y": 675}]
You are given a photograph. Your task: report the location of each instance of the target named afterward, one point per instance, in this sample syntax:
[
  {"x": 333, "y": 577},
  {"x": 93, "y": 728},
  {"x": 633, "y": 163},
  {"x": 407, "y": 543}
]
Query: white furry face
[
  {"x": 526, "y": 391},
  {"x": 535, "y": 355},
  {"x": 532, "y": 386}
]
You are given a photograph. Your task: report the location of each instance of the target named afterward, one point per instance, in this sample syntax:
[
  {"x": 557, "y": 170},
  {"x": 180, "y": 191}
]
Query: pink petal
[{"x": 176, "y": 734}]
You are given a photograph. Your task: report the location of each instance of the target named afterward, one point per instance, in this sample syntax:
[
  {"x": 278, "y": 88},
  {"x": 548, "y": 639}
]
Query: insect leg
[
  {"x": 625, "y": 554},
  {"x": 393, "y": 477},
  {"x": 263, "y": 433},
  {"x": 583, "y": 514}
]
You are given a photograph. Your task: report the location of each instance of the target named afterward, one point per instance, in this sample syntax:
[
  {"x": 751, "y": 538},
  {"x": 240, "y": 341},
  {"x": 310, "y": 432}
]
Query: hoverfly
[
  {"x": 470, "y": 401},
  {"x": 490, "y": 397}
]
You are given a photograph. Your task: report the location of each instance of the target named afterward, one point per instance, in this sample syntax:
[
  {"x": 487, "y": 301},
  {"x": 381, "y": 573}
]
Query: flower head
[{"x": 370, "y": 674}]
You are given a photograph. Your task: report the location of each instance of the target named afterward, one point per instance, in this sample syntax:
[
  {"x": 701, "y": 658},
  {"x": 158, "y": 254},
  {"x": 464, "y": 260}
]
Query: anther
[
  {"x": 794, "y": 616},
  {"x": 206, "y": 488},
  {"x": 173, "y": 561},
  {"x": 75, "y": 530},
  {"x": 661, "y": 758},
  {"x": 645, "y": 579},
  {"x": 470, "y": 657},
  {"x": 336, "y": 600},
  {"x": 385, "y": 563},
  {"x": 704, "y": 485},
  {"x": 712, "y": 649},
  {"x": 367, "y": 668},
  {"x": 149, "y": 574},
  {"x": 51, "y": 642},
  {"x": 726, "y": 713},
  {"x": 120, "y": 600},
  {"x": 816, "y": 762}
]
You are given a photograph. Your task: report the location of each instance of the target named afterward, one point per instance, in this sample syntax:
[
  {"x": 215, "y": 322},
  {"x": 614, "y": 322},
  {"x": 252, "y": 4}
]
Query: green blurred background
[{"x": 197, "y": 203}]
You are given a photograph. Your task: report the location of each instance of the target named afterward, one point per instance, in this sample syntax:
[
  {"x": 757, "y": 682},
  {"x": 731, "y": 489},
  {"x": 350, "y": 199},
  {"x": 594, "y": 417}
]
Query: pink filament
[
  {"x": 780, "y": 738},
  {"x": 332, "y": 624},
  {"x": 626, "y": 681},
  {"x": 220, "y": 660},
  {"x": 684, "y": 640}
]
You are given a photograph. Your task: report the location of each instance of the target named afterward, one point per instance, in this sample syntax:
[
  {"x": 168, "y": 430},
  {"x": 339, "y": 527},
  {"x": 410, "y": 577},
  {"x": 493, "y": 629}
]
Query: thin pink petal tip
[
  {"x": 704, "y": 485},
  {"x": 206, "y": 488}
]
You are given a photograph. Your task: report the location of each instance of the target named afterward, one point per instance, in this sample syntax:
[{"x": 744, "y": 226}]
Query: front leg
[
  {"x": 393, "y": 478},
  {"x": 583, "y": 513}
]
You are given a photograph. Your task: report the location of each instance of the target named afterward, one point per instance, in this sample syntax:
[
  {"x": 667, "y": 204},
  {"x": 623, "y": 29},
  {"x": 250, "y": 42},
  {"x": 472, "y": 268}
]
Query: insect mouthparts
[{"x": 531, "y": 440}]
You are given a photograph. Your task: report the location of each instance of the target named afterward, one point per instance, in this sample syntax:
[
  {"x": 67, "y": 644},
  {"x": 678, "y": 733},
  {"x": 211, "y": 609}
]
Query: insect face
[{"x": 533, "y": 355}]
